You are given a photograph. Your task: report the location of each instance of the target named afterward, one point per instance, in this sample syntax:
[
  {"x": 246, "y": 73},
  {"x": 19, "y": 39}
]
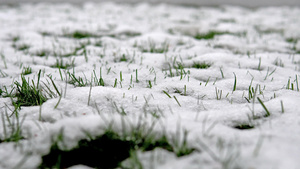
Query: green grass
[
  {"x": 3, "y": 74},
  {"x": 149, "y": 84},
  {"x": 14, "y": 134},
  {"x": 251, "y": 91},
  {"x": 275, "y": 30},
  {"x": 278, "y": 62},
  {"x": 177, "y": 101},
  {"x": 176, "y": 69},
  {"x": 129, "y": 34},
  {"x": 229, "y": 20},
  {"x": 244, "y": 126},
  {"x": 15, "y": 38},
  {"x": 29, "y": 94},
  {"x": 75, "y": 52},
  {"x": 80, "y": 34},
  {"x": 6, "y": 93},
  {"x": 110, "y": 149},
  {"x": 209, "y": 35},
  {"x": 201, "y": 65},
  {"x": 45, "y": 33},
  {"x": 123, "y": 58},
  {"x": 61, "y": 65},
  {"x": 98, "y": 43},
  {"x": 179, "y": 143},
  {"x": 259, "y": 65},
  {"x": 292, "y": 40},
  {"x": 153, "y": 47},
  {"x": 26, "y": 70},
  {"x": 179, "y": 70},
  {"x": 265, "y": 108},
  {"x": 77, "y": 81},
  {"x": 98, "y": 81},
  {"x": 293, "y": 85},
  {"x": 167, "y": 93},
  {"x": 182, "y": 91},
  {"x": 4, "y": 60},
  {"x": 42, "y": 53},
  {"x": 282, "y": 107},
  {"x": 21, "y": 47},
  {"x": 106, "y": 151},
  {"x": 234, "y": 84},
  {"x": 218, "y": 93}
]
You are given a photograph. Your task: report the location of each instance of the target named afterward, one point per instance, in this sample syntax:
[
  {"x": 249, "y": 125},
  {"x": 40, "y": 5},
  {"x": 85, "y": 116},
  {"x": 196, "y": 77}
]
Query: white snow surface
[{"x": 254, "y": 49}]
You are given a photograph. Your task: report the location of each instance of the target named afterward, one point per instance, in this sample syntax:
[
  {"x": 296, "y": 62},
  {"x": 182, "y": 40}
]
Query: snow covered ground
[
  {"x": 149, "y": 86},
  {"x": 253, "y": 3}
]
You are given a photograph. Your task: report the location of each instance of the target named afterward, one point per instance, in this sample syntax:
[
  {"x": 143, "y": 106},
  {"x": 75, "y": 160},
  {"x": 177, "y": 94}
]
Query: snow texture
[{"x": 257, "y": 48}]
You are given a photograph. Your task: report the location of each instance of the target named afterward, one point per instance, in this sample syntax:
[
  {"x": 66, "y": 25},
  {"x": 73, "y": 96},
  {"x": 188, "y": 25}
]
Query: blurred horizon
[{"x": 253, "y": 3}]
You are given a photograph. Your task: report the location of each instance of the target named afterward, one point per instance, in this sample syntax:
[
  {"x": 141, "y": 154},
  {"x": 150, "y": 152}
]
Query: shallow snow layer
[{"x": 147, "y": 56}]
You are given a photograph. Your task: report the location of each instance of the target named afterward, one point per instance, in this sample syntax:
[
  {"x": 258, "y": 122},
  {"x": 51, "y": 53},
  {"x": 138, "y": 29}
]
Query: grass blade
[
  {"x": 234, "y": 85},
  {"x": 167, "y": 94},
  {"x": 263, "y": 105},
  {"x": 177, "y": 101},
  {"x": 54, "y": 85}
]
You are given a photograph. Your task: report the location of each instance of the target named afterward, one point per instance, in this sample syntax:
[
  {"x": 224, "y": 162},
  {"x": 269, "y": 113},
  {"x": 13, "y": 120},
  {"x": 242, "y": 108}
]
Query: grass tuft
[
  {"x": 106, "y": 151},
  {"x": 80, "y": 34},
  {"x": 45, "y": 33},
  {"x": 291, "y": 40},
  {"x": 293, "y": 85},
  {"x": 15, "y": 132},
  {"x": 26, "y": 70},
  {"x": 42, "y": 53},
  {"x": 209, "y": 35},
  {"x": 278, "y": 62},
  {"x": 21, "y": 47},
  {"x": 61, "y": 65},
  {"x": 29, "y": 95},
  {"x": 15, "y": 38},
  {"x": 110, "y": 149},
  {"x": 201, "y": 65},
  {"x": 152, "y": 47},
  {"x": 77, "y": 81},
  {"x": 244, "y": 126},
  {"x": 124, "y": 58},
  {"x": 100, "y": 81}
]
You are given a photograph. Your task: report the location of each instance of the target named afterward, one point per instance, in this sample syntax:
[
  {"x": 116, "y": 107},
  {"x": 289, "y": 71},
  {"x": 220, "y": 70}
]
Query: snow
[
  {"x": 254, "y": 3},
  {"x": 255, "y": 51}
]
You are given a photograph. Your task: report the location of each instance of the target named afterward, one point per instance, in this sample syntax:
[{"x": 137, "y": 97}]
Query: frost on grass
[{"x": 179, "y": 87}]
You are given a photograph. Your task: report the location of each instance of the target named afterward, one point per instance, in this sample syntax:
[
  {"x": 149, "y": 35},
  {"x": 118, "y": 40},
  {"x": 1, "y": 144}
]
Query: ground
[{"x": 107, "y": 85}]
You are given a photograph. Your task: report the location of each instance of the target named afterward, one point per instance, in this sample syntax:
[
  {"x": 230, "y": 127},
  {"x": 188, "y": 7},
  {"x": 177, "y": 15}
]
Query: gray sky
[{"x": 247, "y": 3}]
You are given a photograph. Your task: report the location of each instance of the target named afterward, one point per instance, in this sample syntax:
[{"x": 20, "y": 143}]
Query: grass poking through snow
[
  {"x": 110, "y": 149},
  {"x": 29, "y": 94},
  {"x": 209, "y": 35},
  {"x": 201, "y": 65}
]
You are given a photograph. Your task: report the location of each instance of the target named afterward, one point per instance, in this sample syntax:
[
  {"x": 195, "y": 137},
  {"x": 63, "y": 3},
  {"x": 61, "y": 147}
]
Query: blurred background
[{"x": 246, "y": 3}]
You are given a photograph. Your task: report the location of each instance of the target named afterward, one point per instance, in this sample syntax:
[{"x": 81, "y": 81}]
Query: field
[{"x": 132, "y": 86}]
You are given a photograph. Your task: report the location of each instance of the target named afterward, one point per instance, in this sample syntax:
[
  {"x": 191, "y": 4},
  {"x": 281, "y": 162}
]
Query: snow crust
[{"x": 255, "y": 49}]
